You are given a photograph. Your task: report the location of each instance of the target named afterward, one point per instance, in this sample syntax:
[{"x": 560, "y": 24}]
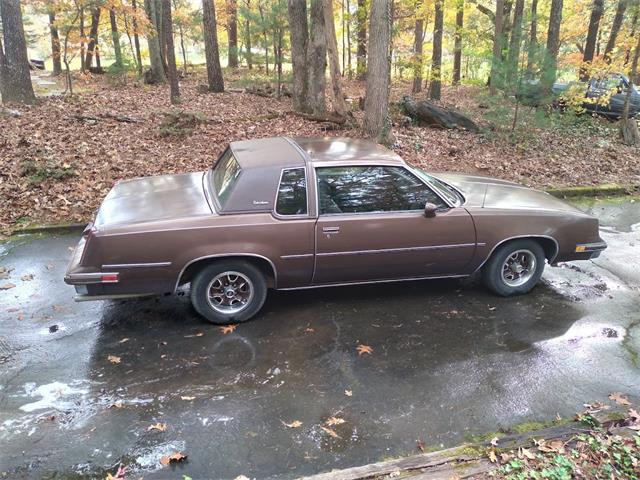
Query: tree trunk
[
  {"x": 615, "y": 29},
  {"x": 136, "y": 37},
  {"x": 211, "y": 50},
  {"x": 513, "y": 56},
  {"x": 249, "y": 54},
  {"x": 337, "y": 96},
  {"x": 532, "y": 50},
  {"x": 115, "y": 36},
  {"x": 495, "y": 80},
  {"x": 592, "y": 36},
  {"x": 15, "y": 79},
  {"x": 361, "y": 52},
  {"x": 634, "y": 24},
  {"x": 317, "y": 58},
  {"x": 377, "y": 124},
  {"x": 93, "y": 38},
  {"x": 349, "y": 69},
  {"x": 167, "y": 27},
  {"x": 264, "y": 36},
  {"x": 418, "y": 40},
  {"x": 436, "y": 58},
  {"x": 82, "y": 45},
  {"x": 55, "y": 44},
  {"x": 629, "y": 126},
  {"x": 159, "y": 24},
  {"x": 155, "y": 74},
  {"x": 550, "y": 62},
  {"x": 427, "y": 113},
  {"x": 232, "y": 33},
  {"x": 457, "y": 43},
  {"x": 299, "y": 33},
  {"x": 182, "y": 49}
]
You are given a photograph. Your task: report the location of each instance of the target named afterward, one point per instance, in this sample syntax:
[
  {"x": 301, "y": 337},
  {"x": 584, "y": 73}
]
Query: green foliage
[{"x": 38, "y": 171}]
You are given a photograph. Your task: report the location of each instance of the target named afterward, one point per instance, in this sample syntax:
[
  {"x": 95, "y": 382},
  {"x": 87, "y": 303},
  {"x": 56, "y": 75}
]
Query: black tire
[
  {"x": 202, "y": 283},
  {"x": 494, "y": 277}
]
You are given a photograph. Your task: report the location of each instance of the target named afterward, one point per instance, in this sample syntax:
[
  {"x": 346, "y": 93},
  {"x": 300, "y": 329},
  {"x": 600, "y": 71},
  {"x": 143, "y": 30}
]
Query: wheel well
[
  {"x": 548, "y": 244},
  {"x": 260, "y": 263}
]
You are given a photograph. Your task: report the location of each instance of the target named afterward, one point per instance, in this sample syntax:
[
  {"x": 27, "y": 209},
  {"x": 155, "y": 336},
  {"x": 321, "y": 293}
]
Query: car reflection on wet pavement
[{"x": 80, "y": 384}]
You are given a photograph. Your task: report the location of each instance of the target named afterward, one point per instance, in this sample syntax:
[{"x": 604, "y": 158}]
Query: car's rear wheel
[
  {"x": 228, "y": 291},
  {"x": 514, "y": 268}
]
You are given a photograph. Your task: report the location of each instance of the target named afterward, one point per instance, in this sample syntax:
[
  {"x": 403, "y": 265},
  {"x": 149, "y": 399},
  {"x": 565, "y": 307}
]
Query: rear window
[{"x": 225, "y": 173}]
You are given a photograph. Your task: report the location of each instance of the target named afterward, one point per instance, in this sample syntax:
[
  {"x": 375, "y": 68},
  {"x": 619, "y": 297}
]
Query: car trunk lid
[{"x": 154, "y": 198}]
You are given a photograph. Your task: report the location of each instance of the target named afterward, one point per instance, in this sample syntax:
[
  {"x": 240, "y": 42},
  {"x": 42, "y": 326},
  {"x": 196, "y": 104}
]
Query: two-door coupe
[{"x": 287, "y": 213}]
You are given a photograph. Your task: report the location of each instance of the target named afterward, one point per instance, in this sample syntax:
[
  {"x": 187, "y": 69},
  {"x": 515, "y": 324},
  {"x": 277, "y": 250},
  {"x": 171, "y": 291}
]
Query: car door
[{"x": 372, "y": 226}]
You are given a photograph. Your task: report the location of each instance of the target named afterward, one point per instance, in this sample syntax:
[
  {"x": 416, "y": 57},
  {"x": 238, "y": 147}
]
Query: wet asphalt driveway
[{"x": 448, "y": 360}]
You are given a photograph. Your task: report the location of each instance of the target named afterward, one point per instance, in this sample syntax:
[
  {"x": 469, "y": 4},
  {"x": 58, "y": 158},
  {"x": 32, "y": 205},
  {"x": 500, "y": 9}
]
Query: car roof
[
  {"x": 264, "y": 153},
  {"x": 345, "y": 151}
]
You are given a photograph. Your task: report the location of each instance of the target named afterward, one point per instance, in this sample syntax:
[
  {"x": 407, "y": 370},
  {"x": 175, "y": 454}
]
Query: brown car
[{"x": 289, "y": 213}]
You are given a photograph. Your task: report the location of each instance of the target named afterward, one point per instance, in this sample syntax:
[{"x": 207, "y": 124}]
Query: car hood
[
  {"x": 493, "y": 193},
  {"x": 154, "y": 198}
]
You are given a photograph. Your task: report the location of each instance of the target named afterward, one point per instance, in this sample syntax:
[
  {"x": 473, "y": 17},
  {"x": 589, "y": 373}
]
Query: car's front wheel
[
  {"x": 514, "y": 268},
  {"x": 228, "y": 291}
]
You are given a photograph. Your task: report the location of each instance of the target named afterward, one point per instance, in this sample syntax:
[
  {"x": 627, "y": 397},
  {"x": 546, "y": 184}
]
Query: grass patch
[{"x": 38, "y": 171}]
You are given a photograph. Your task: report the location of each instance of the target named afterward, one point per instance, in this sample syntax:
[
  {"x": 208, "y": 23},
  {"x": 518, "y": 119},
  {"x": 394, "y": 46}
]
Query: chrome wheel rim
[
  {"x": 230, "y": 292},
  {"x": 518, "y": 268}
]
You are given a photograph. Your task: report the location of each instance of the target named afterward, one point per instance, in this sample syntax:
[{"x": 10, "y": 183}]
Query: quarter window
[
  {"x": 225, "y": 173},
  {"x": 371, "y": 189},
  {"x": 292, "y": 193}
]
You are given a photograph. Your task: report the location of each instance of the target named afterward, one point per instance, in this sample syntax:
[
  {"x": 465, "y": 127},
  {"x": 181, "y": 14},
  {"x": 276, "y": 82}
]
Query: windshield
[
  {"x": 225, "y": 173},
  {"x": 452, "y": 195}
]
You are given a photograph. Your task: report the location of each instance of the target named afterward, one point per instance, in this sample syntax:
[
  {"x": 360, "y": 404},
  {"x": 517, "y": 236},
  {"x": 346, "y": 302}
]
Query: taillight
[{"x": 109, "y": 278}]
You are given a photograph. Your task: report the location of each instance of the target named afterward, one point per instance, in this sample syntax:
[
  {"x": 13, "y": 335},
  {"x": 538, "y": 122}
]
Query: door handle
[{"x": 330, "y": 229}]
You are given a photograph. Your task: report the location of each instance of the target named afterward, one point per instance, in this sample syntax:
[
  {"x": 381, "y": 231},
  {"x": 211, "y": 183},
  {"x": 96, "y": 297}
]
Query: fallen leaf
[
  {"x": 331, "y": 432},
  {"x": 185, "y": 397},
  {"x": 124, "y": 340},
  {"x": 492, "y": 456},
  {"x": 362, "y": 349},
  {"x": 420, "y": 445},
  {"x": 619, "y": 399},
  {"x": 50, "y": 266},
  {"x": 7, "y": 286},
  {"x": 556, "y": 446},
  {"x": 161, "y": 427},
  {"x": 27, "y": 278},
  {"x": 116, "y": 404},
  {"x": 526, "y": 453},
  {"x": 114, "y": 359},
  {"x": 309, "y": 330},
  {"x": 505, "y": 457},
  {"x": 228, "y": 328},
  {"x": 294, "y": 424},
  {"x": 494, "y": 441},
  {"x": 173, "y": 458},
  {"x": 241, "y": 477},
  {"x": 331, "y": 421},
  {"x": 199, "y": 334},
  {"x": 348, "y": 393}
]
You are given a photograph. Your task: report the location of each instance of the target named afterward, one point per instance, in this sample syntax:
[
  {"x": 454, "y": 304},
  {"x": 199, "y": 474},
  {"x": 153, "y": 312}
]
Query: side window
[
  {"x": 371, "y": 189},
  {"x": 292, "y": 193}
]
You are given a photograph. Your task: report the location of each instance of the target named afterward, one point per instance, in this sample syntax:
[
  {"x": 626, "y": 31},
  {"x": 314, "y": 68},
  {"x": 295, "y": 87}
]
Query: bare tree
[
  {"x": 615, "y": 29},
  {"x": 232, "y": 33},
  {"x": 457, "y": 47},
  {"x": 337, "y": 97},
  {"x": 495, "y": 80},
  {"x": 418, "y": 40},
  {"x": 376, "y": 116},
  {"x": 214, "y": 71},
  {"x": 15, "y": 80},
  {"x": 299, "y": 32},
  {"x": 55, "y": 43},
  {"x": 550, "y": 61},
  {"x": 361, "y": 32},
  {"x": 592, "y": 36},
  {"x": 167, "y": 27},
  {"x": 156, "y": 73},
  {"x": 629, "y": 126},
  {"x": 435, "y": 87},
  {"x": 317, "y": 58},
  {"x": 532, "y": 49}
]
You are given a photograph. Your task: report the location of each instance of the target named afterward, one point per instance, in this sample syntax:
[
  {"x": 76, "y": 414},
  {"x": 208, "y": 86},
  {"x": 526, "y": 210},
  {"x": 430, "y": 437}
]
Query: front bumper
[{"x": 591, "y": 250}]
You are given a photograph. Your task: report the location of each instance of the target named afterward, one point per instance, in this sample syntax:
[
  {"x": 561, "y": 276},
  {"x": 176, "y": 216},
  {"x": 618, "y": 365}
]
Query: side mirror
[{"x": 430, "y": 210}]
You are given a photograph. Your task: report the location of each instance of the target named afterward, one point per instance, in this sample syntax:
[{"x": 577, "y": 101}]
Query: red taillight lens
[{"x": 109, "y": 278}]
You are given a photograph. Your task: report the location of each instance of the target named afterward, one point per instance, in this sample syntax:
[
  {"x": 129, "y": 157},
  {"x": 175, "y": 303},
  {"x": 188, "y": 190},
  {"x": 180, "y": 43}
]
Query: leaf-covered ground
[{"x": 58, "y": 159}]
